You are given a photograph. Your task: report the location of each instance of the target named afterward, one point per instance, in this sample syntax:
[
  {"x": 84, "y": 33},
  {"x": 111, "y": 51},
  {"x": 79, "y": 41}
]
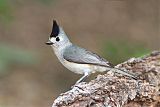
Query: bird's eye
[{"x": 57, "y": 39}]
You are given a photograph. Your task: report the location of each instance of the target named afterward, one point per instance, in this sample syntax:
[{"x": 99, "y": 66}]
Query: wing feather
[{"x": 83, "y": 56}]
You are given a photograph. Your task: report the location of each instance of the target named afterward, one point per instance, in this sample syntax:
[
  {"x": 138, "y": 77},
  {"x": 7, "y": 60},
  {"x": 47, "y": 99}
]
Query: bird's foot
[{"x": 76, "y": 86}]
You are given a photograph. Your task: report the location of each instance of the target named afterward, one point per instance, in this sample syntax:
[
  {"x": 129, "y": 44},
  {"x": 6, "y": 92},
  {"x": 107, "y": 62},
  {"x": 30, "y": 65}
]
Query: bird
[{"x": 77, "y": 59}]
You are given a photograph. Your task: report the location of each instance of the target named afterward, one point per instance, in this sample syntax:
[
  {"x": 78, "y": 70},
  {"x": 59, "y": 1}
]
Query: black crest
[{"x": 55, "y": 29}]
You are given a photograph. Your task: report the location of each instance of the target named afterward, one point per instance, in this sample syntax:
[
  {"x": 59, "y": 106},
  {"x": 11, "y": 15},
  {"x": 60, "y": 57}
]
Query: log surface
[{"x": 115, "y": 90}]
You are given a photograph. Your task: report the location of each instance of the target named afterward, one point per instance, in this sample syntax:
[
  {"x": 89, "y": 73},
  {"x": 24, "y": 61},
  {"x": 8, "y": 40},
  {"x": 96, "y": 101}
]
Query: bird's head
[{"x": 57, "y": 38}]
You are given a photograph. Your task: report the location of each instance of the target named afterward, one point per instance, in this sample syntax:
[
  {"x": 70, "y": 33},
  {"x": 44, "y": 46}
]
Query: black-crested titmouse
[{"x": 77, "y": 59}]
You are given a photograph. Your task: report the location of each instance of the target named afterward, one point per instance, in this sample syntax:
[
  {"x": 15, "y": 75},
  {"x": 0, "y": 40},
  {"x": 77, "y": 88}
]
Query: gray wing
[{"x": 80, "y": 55}]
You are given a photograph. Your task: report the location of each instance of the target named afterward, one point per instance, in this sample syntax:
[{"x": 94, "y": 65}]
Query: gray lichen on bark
[{"x": 112, "y": 90}]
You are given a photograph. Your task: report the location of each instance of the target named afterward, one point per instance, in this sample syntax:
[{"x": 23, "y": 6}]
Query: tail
[{"x": 134, "y": 76}]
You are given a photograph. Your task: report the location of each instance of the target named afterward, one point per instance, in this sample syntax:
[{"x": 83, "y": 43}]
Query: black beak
[{"x": 49, "y": 43}]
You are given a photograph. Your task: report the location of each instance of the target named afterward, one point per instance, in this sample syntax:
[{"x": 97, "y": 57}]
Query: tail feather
[{"x": 125, "y": 73}]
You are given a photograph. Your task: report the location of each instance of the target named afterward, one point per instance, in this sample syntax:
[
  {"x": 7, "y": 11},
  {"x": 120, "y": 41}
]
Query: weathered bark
[{"x": 112, "y": 90}]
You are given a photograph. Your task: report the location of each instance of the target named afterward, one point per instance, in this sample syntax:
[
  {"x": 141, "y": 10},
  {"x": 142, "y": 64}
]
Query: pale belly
[{"x": 83, "y": 68}]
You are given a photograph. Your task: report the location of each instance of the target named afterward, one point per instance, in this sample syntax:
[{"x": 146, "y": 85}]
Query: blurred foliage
[
  {"x": 5, "y": 11},
  {"x": 117, "y": 51},
  {"x": 11, "y": 55}
]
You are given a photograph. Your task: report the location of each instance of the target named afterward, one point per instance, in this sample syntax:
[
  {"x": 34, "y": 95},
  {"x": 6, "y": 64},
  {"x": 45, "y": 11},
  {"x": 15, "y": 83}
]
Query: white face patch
[
  {"x": 53, "y": 39},
  {"x": 57, "y": 40}
]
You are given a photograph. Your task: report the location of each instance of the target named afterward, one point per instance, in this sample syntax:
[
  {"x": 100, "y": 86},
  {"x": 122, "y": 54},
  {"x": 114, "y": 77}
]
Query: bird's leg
[{"x": 83, "y": 78}]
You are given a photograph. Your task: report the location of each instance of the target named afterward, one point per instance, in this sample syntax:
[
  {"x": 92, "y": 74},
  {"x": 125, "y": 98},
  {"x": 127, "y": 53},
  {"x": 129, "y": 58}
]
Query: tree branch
[{"x": 113, "y": 90}]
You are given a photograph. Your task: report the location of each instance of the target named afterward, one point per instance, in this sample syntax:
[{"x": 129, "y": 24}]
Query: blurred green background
[{"x": 30, "y": 74}]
